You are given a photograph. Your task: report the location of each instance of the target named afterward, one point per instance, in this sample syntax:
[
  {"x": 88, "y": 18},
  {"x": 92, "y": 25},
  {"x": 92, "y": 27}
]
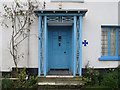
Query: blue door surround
[{"x": 63, "y": 29}]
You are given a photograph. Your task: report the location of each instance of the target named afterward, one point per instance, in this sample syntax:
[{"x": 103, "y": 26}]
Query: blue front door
[{"x": 59, "y": 50}]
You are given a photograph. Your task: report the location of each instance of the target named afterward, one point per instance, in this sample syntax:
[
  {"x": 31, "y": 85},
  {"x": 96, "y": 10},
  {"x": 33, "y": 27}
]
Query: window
[
  {"x": 119, "y": 42},
  {"x": 110, "y": 43},
  {"x": 67, "y": 0}
]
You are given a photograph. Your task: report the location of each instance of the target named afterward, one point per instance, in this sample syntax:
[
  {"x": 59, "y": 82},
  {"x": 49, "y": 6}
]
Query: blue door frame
[{"x": 76, "y": 22}]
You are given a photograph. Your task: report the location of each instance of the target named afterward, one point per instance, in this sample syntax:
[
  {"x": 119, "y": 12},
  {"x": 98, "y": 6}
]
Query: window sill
[{"x": 109, "y": 58}]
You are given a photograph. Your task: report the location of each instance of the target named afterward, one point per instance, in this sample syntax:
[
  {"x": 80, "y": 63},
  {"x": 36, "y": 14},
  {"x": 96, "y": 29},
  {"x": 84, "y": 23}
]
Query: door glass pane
[
  {"x": 119, "y": 42},
  {"x": 113, "y": 41},
  {"x": 59, "y": 38},
  {"x": 104, "y": 41}
]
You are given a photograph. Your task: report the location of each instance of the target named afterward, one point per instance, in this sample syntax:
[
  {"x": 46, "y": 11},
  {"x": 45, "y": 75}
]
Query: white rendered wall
[
  {"x": 119, "y": 22},
  {"x": 0, "y": 41},
  {"x": 98, "y": 14},
  {"x": 7, "y": 61}
]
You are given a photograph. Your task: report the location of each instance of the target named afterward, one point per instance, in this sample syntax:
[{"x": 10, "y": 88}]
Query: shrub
[
  {"x": 26, "y": 81},
  {"x": 110, "y": 79},
  {"x": 118, "y": 69},
  {"x": 96, "y": 87},
  {"x": 7, "y": 83},
  {"x": 93, "y": 75},
  {"x": 23, "y": 81}
]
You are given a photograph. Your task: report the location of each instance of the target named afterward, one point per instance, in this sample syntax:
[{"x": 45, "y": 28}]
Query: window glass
[
  {"x": 104, "y": 41},
  {"x": 112, "y": 41},
  {"x": 59, "y": 38},
  {"x": 119, "y": 42}
]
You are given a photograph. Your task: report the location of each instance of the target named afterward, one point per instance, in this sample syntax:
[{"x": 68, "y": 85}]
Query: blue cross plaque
[{"x": 85, "y": 42}]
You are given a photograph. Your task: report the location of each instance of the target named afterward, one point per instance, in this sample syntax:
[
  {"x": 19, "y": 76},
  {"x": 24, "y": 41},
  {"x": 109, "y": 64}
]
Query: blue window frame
[
  {"x": 110, "y": 42},
  {"x": 67, "y": 0}
]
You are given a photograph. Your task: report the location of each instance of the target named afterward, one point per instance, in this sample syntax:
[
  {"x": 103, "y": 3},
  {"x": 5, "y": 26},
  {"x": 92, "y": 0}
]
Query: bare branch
[
  {"x": 19, "y": 21},
  {"x": 21, "y": 41},
  {"x": 21, "y": 18}
]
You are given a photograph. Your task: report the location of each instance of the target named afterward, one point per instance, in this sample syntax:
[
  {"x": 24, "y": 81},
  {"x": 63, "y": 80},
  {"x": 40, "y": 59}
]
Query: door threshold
[
  {"x": 59, "y": 76},
  {"x": 59, "y": 72}
]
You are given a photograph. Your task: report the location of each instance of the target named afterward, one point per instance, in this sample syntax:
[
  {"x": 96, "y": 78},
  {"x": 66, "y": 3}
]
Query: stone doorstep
[
  {"x": 57, "y": 76},
  {"x": 58, "y": 84},
  {"x": 60, "y": 81},
  {"x": 10, "y": 78}
]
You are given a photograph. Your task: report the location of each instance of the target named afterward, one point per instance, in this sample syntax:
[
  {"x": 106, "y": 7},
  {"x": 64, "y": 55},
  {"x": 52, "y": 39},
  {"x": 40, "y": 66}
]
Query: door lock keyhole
[{"x": 64, "y": 51}]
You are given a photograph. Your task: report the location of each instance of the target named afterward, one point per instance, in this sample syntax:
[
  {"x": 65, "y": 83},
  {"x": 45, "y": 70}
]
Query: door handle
[{"x": 64, "y": 51}]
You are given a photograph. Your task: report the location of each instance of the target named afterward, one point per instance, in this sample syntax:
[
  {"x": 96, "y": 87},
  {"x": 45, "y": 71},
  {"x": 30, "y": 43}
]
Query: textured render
[
  {"x": 0, "y": 52},
  {"x": 68, "y": 0},
  {"x": 119, "y": 24},
  {"x": 99, "y": 13},
  {"x": 0, "y": 42}
]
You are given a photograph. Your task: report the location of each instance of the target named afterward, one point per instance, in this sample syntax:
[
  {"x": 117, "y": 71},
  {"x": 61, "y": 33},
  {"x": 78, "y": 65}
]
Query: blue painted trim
[
  {"x": 80, "y": 50},
  {"x": 109, "y": 58},
  {"x": 75, "y": 32},
  {"x": 73, "y": 11},
  {"x": 117, "y": 42},
  {"x": 60, "y": 14},
  {"x": 39, "y": 46},
  {"x": 67, "y": 0},
  {"x": 108, "y": 41},
  {"x": 45, "y": 44},
  {"x": 60, "y": 23}
]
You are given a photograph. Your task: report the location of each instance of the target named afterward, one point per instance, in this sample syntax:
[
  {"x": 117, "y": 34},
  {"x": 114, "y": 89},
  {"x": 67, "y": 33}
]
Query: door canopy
[
  {"x": 69, "y": 12},
  {"x": 60, "y": 16}
]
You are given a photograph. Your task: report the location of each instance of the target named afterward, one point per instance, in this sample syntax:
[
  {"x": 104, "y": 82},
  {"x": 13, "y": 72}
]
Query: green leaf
[
  {"x": 5, "y": 6},
  {"x": 21, "y": 12},
  {"x": 17, "y": 4}
]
